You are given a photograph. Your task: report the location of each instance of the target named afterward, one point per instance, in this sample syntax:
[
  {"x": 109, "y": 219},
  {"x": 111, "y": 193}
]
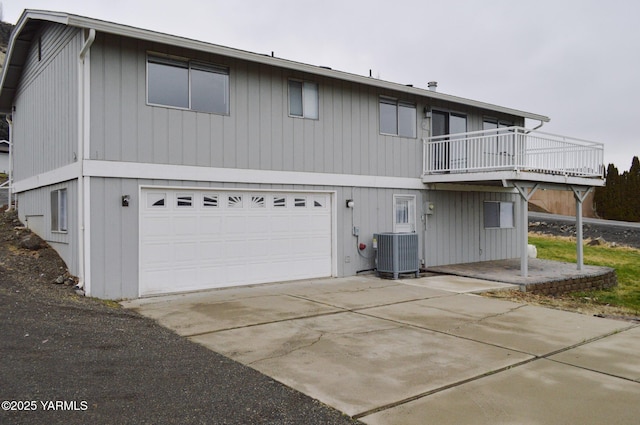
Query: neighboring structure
[
  {"x": 157, "y": 164},
  {"x": 562, "y": 203}
]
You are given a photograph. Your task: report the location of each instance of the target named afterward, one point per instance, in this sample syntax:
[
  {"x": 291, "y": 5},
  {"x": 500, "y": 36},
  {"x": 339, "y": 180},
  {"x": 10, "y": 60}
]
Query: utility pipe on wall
[
  {"x": 83, "y": 140},
  {"x": 10, "y": 181}
]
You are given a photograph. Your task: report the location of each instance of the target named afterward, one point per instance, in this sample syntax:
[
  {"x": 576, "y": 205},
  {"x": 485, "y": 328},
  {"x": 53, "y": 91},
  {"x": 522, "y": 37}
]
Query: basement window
[
  {"x": 59, "y": 210},
  {"x": 498, "y": 215}
]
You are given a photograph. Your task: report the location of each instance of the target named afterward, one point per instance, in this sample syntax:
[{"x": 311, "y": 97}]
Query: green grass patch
[{"x": 626, "y": 262}]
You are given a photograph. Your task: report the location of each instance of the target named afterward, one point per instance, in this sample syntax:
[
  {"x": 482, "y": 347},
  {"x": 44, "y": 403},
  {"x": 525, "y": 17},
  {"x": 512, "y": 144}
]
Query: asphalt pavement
[{"x": 67, "y": 360}]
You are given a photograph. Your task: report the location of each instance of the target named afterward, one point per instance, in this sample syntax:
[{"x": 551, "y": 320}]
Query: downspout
[
  {"x": 83, "y": 139},
  {"x": 537, "y": 127},
  {"x": 9, "y": 194}
]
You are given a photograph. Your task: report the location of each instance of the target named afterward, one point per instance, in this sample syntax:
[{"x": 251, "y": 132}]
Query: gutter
[{"x": 83, "y": 144}]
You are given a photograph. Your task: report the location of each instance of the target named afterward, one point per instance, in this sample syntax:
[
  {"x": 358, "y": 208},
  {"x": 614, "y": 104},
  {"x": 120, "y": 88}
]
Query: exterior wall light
[
  {"x": 125, "y": 200},
  {"x": 350, "y": 203}
]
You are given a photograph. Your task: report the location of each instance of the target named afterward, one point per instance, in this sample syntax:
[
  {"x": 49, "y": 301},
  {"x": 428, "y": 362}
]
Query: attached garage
[{"x": 193, "y": 239}]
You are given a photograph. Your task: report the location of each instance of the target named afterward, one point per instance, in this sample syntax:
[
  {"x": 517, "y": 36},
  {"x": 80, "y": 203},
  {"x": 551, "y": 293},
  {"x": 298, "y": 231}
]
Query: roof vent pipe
[{"x": 432, "y": 85}]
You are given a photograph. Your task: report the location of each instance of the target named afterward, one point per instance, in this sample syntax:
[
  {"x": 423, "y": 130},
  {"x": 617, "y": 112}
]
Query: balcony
[{"x": 511, "y": 154}]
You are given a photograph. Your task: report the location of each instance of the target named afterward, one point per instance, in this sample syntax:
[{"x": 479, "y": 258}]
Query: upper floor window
[
  {"x": 303, "y": 99},
  {"x": 189, "y": 85},
  {"x": 397, "y": 118}
]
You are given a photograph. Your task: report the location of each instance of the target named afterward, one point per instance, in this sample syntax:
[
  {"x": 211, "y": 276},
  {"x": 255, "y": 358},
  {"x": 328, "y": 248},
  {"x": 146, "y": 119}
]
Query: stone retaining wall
[{"x": 606, "y": 280}]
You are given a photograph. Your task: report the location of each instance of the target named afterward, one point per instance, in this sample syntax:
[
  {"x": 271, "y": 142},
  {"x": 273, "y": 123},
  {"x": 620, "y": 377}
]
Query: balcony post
[
  {"x": 580, "y": 194},
  {"x": 526, "y": 192}
]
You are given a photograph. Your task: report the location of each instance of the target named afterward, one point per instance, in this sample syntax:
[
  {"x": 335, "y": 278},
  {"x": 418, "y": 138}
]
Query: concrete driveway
[{"x": 419, "y": 351}]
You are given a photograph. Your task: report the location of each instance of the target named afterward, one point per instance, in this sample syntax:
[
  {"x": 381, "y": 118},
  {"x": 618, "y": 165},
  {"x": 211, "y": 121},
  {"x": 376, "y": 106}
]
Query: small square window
[
  {"x": 184, "y": 200},
  {"x": 280, "y": 202},
  {"x": 210, "y": 201},
  {"x": 303, "y": 99},
  {"x": 498, "y": 215},
  {"x": 300, "y": 202},
  {"x": 155, "y": 200},
  {"x": 235, "y": 201},
  {"x": 257, "y": 202}
]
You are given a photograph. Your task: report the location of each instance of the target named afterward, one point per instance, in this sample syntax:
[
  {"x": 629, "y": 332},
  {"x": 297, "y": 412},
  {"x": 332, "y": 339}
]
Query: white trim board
[
  {"x": 59, "y": 175},
  {"x": 135, "y": 170}
]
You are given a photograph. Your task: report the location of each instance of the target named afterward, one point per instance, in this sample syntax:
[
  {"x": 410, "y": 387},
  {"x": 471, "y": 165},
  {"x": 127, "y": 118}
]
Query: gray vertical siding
[
  {"x": 45, "y": 125},
  {"x": 114, "y": 229},
  {"x": 37, "y": 203},
  {"x": 455, "y": 231},
  {"x": 257, "y": 134}
]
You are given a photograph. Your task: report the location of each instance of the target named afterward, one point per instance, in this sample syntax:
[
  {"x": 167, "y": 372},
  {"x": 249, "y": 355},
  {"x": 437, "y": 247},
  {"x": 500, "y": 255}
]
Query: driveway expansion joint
[
  {"x": 440, "y": 389},
  {"x": 311, "y": 344}
]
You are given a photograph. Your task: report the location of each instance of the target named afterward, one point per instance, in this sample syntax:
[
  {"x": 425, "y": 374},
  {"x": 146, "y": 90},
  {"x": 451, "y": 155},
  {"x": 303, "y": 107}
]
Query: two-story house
[{"x": 157, "y": 164}]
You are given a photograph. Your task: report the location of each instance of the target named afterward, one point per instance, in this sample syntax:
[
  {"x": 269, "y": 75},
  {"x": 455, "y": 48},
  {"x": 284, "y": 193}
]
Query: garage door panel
[
  {"x": 186, "y": 252},
  {"x": 156, "y": 253},
  {"x": 226, "y": 239},
  {"x": 185, "y": 226},
  {"x": 211, "y": 249},
  {"x": 235, "y": 223},
  {"x": 210, "y": 224},
  {"x": 155, "y": 225}
]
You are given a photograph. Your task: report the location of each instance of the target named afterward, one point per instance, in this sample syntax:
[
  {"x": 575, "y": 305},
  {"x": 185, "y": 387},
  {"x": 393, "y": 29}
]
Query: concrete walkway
[{"x": 419, "y": 351}]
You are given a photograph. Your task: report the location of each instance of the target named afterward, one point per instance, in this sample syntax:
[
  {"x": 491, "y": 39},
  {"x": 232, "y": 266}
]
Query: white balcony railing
[{"x": 512, "y": 149}]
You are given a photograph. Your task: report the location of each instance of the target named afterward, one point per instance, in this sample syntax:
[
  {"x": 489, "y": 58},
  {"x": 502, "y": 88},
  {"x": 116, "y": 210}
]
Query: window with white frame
[
  {"x": 404, "y": 213},
  {"x": 397, "y": 118},
  {"x": 303, "y": 99},
  {"x": 59, "y": 210},
  {"x": 181, "y": 83},
  {"x": 498, "y": 215}
]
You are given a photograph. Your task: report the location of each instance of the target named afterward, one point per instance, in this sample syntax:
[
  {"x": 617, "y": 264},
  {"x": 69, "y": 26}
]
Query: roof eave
[{"x": 157, "y": 37}]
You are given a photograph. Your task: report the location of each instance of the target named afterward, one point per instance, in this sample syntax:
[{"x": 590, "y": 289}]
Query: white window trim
[
  {"x": 397, "y": 103},
  {"x": 410, "y": 227},
  {"x": 62, "y": 225},
  {"x": 189, "y": 65},
  {"x": 502, "y": 204},
  {"x": 304, "y": 115}
]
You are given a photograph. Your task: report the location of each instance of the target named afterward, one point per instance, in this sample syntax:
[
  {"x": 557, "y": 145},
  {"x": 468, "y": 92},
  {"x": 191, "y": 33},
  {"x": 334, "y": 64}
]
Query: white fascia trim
[
  {"x": 59, "y": 175},
  {"x": 135, "y": 170}
]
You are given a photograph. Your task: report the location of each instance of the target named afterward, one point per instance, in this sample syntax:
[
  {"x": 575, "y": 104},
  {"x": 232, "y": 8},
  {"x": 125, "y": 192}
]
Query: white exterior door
[
  {"x": 404, "y": 210},
  {"x": 201, "y": 239}
]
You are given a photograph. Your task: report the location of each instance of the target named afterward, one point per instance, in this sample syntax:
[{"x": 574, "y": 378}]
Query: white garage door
[{"x": 197, "y": 239}]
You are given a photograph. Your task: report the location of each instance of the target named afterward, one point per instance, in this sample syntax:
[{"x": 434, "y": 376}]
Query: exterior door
[
  {"x": 450, "y": 153},
  {"x": 404, "y": 208}
]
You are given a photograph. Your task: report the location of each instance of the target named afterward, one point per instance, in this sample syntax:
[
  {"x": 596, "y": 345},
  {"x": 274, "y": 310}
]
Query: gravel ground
[
  {"x": 72, "y": 359},
  {"x": 620, "y": 236}
]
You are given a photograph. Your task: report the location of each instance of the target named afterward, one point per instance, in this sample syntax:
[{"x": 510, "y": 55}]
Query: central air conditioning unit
[{"x": 397, "y": 253}]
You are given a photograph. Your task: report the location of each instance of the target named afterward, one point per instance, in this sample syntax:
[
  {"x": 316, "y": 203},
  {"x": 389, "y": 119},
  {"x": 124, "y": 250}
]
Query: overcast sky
[{"x": 575, "y": 61}]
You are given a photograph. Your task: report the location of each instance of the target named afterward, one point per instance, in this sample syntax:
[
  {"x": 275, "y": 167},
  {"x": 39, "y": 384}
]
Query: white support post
[
  {"x": 524, "y": 254},
  {"x": 580, "y": 194},
  {"x": 525, "y": 196}
]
